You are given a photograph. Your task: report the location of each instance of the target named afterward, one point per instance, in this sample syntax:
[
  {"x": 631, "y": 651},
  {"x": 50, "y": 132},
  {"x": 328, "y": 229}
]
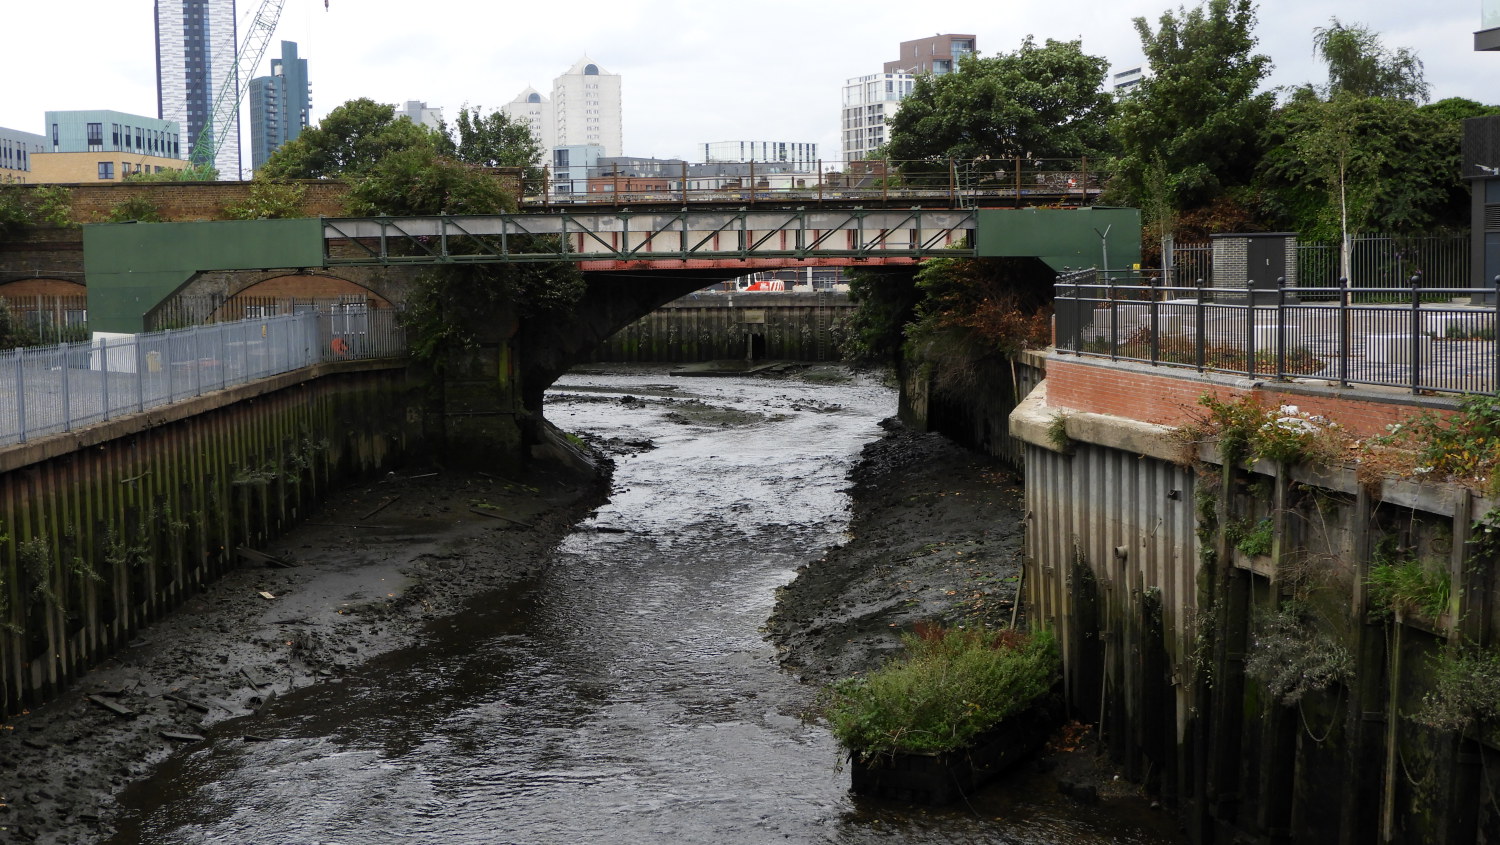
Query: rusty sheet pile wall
[
  {"x": 104, "y": 530},
  {"x": 1226, "y": 628}
]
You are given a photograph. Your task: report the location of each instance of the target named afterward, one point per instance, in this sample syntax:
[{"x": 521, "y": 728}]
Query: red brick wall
[
  {"x": 188, "y": 201},
  {"x": 1168, "y": 397},
  {"x": 41, "y": 287}
]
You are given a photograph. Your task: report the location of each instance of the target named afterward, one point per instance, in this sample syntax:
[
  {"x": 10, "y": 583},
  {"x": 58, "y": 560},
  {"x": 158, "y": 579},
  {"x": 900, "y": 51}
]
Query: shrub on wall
[
  {"x": 270, "y": 199},
  {"x": 137, "y": 208}
]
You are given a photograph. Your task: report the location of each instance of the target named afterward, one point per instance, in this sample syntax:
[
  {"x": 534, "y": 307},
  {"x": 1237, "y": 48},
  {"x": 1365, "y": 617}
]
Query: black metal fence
[
  {"x": 1423, "y": 339},
  {"x": 1375, "y": 261}
]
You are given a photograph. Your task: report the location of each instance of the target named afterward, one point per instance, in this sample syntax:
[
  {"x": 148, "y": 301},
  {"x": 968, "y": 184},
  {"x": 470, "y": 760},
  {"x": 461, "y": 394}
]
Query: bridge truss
[{"x": 686, "y": 238}]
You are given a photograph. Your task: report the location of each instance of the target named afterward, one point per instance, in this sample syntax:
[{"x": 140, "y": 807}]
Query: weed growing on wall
[
  {"x": 1464, "y": 447},
  {"x": 1292, "y": 656},
  {"x": 1400, "y": 583},
  {"x": 1466, "y": 688},
  {"x": 1245, "y": 431},
  {"x": 1057, "y": 433},
  {"x": 270, "y": 199},
  {"x": 35, "y": 559},
  {"x": 1255, "y": 540},
  {"x": 135, "y": 209},
  {"x": 52, "y": 205}
]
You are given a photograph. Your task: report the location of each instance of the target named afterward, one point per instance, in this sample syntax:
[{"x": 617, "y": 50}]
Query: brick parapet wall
[
  {"x": 190, "y": 201},
  {"x": 1170, "y": 397}
]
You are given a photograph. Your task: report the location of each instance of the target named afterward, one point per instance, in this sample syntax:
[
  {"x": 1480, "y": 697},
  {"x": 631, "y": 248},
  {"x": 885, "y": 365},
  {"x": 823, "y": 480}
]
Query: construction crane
[{"x": 232, "y": 91}]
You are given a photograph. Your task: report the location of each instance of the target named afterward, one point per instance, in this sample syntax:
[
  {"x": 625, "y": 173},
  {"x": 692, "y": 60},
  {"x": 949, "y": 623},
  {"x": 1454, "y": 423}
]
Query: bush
[
  {"x": 53, "y": 206},
  {"x": 947, "y": 688},
  {"x": 138, "y": 209},
  {"x": 270, "y": 200}
]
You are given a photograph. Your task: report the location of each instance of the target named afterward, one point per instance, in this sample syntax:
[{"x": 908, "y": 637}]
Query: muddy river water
[{"x": 624, "y": 693}]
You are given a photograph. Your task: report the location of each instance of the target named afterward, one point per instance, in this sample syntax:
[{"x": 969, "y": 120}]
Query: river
[{"x": 623, "y": 693}]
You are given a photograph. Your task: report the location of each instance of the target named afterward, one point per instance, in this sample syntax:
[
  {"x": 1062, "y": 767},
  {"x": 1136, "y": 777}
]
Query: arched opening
[
  {"x": 290, "y": 293},
  {"x": 534, "y": 97},
  {"x": 590, "y": 70},
  {"x": 54, "y": 309}
]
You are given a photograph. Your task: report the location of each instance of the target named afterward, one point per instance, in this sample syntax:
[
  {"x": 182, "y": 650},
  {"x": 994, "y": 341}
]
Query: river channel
[{"x": 624, "y": 692}]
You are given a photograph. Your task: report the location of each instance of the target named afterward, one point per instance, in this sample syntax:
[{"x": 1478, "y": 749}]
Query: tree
[
  {"x": 1356, "y": 164},
  {"x": 419, "y": 180},
  {"x": 352, "y": 139},
  {"x": 1359, "y": 64},
  {"x": 1190, "y": 130},
  {"x": 1039, "y": 101},
  {"x": 494, "y": 140}
]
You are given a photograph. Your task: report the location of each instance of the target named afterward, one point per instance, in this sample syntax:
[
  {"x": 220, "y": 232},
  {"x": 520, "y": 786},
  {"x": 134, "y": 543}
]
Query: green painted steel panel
[
  {"x": 1063, "y": 237},
  {"x": 131, "y": 267}
]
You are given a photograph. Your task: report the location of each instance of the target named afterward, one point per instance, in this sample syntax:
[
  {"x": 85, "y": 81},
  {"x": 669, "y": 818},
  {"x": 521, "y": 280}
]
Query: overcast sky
[{"x": 692, "y": 70}]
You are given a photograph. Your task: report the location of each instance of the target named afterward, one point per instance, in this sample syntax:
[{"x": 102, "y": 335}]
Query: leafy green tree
[
  {"x": 1359, "y": 64},
  {"x": 494, "y": 140},
  {"x": 351, "y": 140},
  {"x": 1041, "y": 101},
  {"x": 1190, "y": 130},
  {"x": 1355, "y": 164},
  {"x": 419, "y": 180}
]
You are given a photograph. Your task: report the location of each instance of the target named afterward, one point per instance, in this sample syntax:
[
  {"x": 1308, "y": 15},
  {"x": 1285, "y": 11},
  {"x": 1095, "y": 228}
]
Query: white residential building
[
  {"x": 195, "y": 46},
  {"x": 869, "y": 101},
  {"x": 534, "y": 110},
  {"x": 584, "y": 109},
  {"x": 417, "y": 112},
  {"x": 802, "y": 155}
]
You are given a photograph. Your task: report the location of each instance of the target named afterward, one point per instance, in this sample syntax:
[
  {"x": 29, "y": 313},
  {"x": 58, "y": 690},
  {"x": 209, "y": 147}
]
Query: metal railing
[
  {"x": 53, "y": 389},
  {"x": 1385, "y": 261},
  {"x": 1422, "y": 339},
  {"x": 1016, "y": 181}
]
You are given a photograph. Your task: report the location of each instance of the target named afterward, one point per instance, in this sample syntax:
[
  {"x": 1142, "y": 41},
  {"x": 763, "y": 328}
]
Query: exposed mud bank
[{"x": 359, "y": 579}]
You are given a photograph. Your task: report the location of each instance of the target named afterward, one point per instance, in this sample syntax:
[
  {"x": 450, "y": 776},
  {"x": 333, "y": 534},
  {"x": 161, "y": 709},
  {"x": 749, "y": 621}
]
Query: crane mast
[{"x": 232, "y": 92}]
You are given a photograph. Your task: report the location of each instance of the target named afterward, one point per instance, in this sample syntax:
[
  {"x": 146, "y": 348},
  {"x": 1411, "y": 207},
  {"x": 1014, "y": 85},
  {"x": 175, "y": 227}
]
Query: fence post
[
  {"x": 1345, "y": 338},
  {"x": 1416, "y": 333},
  {"x": 140, "y": 376},
  {"x": 1077, "y": 317},
  {"x": 103, "y": 345},
  {"x": 1151, "y": 294},
  {"x": 21, "y": 394},
  {"x": 197, "y": 365},
  {"x": 1114, "y": 317},
  {"x": 1281, "y": 327},
  {"x": 1250, "y": 328},
  {"x": 67, "y": 391},
  {"x": 1495, "y": 336},
  {"x": 1200, "y": 328}
]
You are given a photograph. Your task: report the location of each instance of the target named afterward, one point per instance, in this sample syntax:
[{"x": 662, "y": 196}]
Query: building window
[
  {"x": 106, "y": 170},
  {"x": 96, "y": 137}
]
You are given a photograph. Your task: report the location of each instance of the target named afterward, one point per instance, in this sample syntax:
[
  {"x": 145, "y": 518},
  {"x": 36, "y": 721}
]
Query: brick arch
[
  {"x": 388, "y": 285},
  {"x": 47, "y": 288}
]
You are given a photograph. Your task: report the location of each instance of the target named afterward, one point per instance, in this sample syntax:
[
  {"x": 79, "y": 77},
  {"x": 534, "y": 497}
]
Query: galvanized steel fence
[
  {"x": 1422, "y": 339},
  {"x": 52, "y": 389}
]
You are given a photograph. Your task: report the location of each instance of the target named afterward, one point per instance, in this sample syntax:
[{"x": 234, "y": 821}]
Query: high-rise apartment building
[
  {"x": 280, "y": 104},
  {"x": 936, "y": 55},
  {"x": 870, "y": 101},
  {"x": 195, "y": 45},
  {"x": 534, "y": 110},
  {"x": 584, "y": 109}
]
